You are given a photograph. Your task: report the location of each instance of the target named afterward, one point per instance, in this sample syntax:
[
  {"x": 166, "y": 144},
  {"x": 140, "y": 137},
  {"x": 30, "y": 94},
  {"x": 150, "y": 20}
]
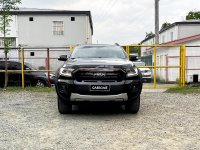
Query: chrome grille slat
[{"x": 88, "y": 74}]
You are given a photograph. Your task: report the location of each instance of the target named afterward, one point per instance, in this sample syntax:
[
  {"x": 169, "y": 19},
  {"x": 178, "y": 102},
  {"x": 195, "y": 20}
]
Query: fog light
[{"x": 62, "y": 88}]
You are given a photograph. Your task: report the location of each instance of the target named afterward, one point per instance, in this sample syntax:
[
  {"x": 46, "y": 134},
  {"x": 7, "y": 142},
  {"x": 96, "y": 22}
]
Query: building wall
[
  {"x": 169, "y": 35},
  {"x": 188, "y": 30},
  {"x": 39, "y": 60},
  {"x": 39, "y": 32},
  {"x": 179, "y": 32},
  {"x": 170, "y": 57},
  {"x": 148, "y": 42}
]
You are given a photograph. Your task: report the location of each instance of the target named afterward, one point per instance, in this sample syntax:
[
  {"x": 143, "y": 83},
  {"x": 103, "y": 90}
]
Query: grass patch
[
  {"x": 184, "y": 90},
  {"x": 29, "y": 89}
]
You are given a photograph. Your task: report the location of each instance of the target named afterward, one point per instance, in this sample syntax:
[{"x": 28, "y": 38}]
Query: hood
[
  {"x": 80, "y": 62},
  {"x": 39, "y": 73}
]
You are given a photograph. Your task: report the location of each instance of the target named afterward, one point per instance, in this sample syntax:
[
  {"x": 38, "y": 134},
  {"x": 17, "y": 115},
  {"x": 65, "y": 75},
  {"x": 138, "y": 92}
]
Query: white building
[
  {"x": 38, "y": 28},
  {"x": 179, "y": 33}
]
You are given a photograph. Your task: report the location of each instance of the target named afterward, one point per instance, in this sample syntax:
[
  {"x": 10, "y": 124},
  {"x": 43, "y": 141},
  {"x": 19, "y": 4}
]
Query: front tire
[
  {"x": 64, "y": 107},
  {"x": 133, "y": 105}
]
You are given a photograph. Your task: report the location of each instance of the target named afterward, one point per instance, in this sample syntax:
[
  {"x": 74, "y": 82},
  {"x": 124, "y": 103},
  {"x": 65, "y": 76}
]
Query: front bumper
[
  {"x": 80, "y": 91},
  {"x": 96, "y": 98}
]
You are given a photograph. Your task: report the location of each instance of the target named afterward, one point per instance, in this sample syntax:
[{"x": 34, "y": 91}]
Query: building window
[
  {"x": 58, "y": 28},
  {"x": 1, "y": 42},
  {"x": 32, "y": 54},
  {"x": 10, "y": 41},
  {"x": 163, "y": 39},
  {"x": 72, "y": 18},
  {"x": 30, "y": 18},
  {"x": 158, "y": 60},
  {"x": 172, "y": 36}
]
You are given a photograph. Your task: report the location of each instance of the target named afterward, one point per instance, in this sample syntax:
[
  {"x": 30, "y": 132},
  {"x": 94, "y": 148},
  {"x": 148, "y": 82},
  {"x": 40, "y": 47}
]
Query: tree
[
  {"x": 148, "y": 35},
  {"x": 165, "y": 25},
  {"x": 6, "y": 6},
  {"x": 193, "y": 15}
]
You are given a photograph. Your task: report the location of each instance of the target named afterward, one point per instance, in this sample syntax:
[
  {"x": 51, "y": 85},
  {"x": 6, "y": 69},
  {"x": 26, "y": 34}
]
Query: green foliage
[
  {"x": 185, "y": 90},
  {"x": 193, "y": 15},
  {"x": 29, "y": 89},
  {"x": 135, "y": 50},
  {"x": 165, "y": 25},
  {"x": 5, "y": 18},
  {"x": 148, "y": 35}
]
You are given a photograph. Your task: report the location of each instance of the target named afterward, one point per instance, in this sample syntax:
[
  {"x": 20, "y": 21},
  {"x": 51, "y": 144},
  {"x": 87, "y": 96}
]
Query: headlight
[
  {"x": 50, "y": 75},
  {"x": 132, "y": 73},
  {"x": 67, "y": 72}
]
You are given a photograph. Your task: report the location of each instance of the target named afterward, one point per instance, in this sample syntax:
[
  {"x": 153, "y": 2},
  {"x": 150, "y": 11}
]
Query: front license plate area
[{"x": 99, "y": 88}]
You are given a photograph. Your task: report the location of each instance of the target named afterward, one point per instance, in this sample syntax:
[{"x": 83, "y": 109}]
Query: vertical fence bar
[
  {"x": 22, "y": 65},
  {"x": 184, "y": 64},
  {"x": 155, "y": 63},
  {"x": 180, "y": 69},
  {"x": 48, "y": 67},
  {"x": 71, "y": 48},
  {"x": 128, "y": 51},
  {"x": 182, "y": 76}
]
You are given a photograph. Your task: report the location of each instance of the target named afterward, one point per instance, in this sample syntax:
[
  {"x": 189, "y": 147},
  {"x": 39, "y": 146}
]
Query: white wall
[
  {"x": 148, "y": 42},
  {"x": 40, "y": 57},
  {"x": 171, "y": 58},
  {"x": 188, "y": 30},
  {"x": 166, "y": 35},
  {"x": 39, "y": 32}
]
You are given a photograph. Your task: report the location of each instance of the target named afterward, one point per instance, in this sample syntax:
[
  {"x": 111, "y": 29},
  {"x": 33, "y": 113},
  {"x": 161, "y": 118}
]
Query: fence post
[
  {"x": 182, "y": 73},
  {"x": 48, "y": 67},
  {"x": 180, "y": 69},
  {"x": 71, "y": 48},
  {"x": 128, "y": 51},
  {"x": 184, "y": 64},
  {"x": 22, "y": 65},
  {"x": 155, "y": 63}
]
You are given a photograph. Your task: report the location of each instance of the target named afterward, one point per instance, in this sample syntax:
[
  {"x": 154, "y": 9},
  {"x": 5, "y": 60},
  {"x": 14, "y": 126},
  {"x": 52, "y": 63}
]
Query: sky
[{"x": 121, "y": 21}]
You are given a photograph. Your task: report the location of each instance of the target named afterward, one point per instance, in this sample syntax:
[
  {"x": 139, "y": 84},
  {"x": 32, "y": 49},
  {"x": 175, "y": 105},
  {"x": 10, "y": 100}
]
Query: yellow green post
[
  {"x": 128, "y": 51},
  {"x": 71, "y": 48},
  {"x": 181, "y": 67},
  {"x": 22, "y": 65},
  {"x": 184, "y": 64},
  {"x": 154, "y": 55},
  {"x": 182, "y": 76}
]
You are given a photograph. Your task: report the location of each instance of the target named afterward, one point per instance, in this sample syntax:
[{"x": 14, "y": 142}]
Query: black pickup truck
[{"x": 98, "y": 73}]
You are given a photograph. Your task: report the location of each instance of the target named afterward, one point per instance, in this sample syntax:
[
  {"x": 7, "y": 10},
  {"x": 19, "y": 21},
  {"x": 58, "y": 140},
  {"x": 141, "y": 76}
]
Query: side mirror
[
  {"x": 62, "y": 58},
  {"x": 133, "y": 58}
]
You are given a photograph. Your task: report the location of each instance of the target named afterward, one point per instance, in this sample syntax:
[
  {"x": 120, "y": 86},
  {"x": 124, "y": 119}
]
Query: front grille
[{"x": 92, "y": 75}]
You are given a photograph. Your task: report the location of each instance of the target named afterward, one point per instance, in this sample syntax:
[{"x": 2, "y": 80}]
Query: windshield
[
  {"x": 30, "y": 66},
  {"x": 98, "y": 52}
]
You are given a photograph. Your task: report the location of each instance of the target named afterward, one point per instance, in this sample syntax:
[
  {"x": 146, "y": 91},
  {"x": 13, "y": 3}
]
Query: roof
[
  {"x": 181, "y": 23},
  {"x": 186, "y": 22},
  {"x": 35, "y": 11},
  {"x": 181, "y": 41},
  {"x": 146, "y": 39}
]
